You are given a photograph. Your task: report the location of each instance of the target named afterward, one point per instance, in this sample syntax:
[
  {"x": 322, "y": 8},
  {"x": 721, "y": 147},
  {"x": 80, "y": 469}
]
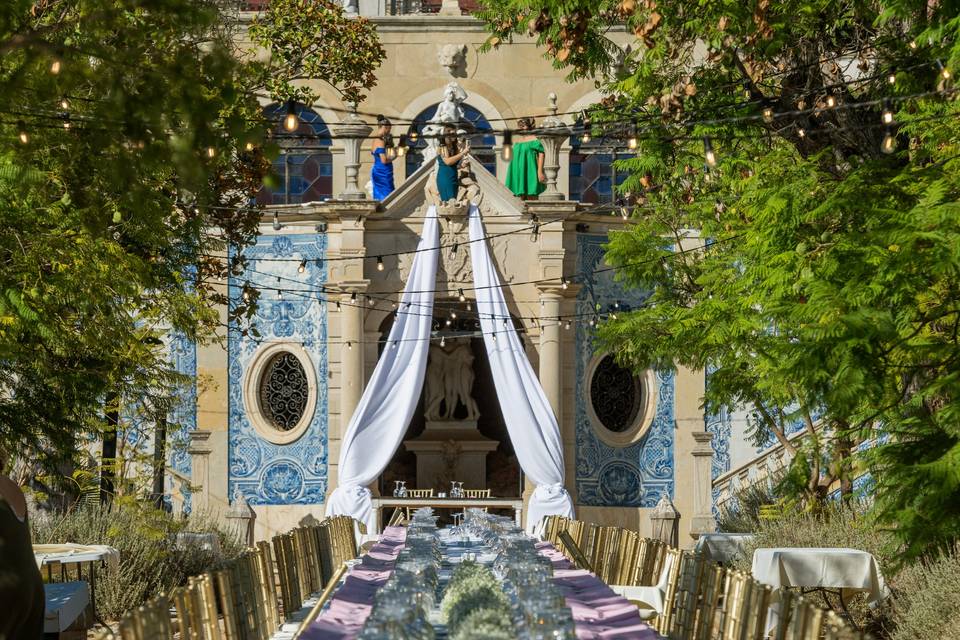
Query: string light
[
  {"x": 563, "y": 282},
  {"x": 338, "y": 305},
  {"x": 453, "y": 314},
  {"x": 56, "y": 66},
  {"x": 507, "y": 150},
  {"x": 889, "y": 144},
  {"x": 585, "y": 119},
  {"x": 291, "y": 122},
  {"x": 449, "y": 322},
  {"x": 66, "y": 121},
  {"x": 632, "y": 137},
  {"x": 414, "y": 135},
  {"x": 567, "y": 326},
  {"x": 379, "y": 263},
  {"x": 211, "y": 152},
  {"x": 246, "y": 292},
  {"x": 831, "y": 102},
  {"x": 64, "y": 103},
  {"x": 887, "y": 116},
  {"x": 892, "y": 77},
  {"x": 353, "y": 296},
  {"x": 801, "y": 132},
  {"x": 469, "y": 307},
  {"x": 708, "y": 153},
  {"x": 302, "y": 267},
  {"x": 349, "y": 346},
  {"x": 22, "y": 132},
  {"x": 248, "y": 146},
  {"x": 768, "y": 114},
  {"x": 443, "y": 341},
  {"x": 402, "y": 146},
  {"x": 746, "y": 90},
  {"x": 944, "y": 72},
  {"x": 912, "y": 44},
  {"x": 461, "y": 296}
]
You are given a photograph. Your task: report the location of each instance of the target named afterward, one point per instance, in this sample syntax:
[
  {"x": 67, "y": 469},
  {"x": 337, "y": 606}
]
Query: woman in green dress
[
  {"x": 525, "y": 177},
  {"x": 450, "y": 154}
]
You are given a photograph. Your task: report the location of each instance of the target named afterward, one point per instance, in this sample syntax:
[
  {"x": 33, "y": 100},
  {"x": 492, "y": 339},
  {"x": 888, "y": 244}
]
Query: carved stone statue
[
  {"x": 449, "y": 383},
  {"x": 453, "y": 58},
  {"x": 448, "y": 111}
]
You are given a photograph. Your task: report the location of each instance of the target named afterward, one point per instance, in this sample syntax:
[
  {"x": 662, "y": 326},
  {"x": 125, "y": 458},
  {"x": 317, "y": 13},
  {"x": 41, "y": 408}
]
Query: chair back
[
  {"x": 419, "y": 493},
  {"x": 625, "y": 566},
  {"x": 290, "y": 594},
  {"x": 573, "y": 551},
  {"x": 649, "y": 561},
  {"x": 473, "y": 494},
  {"x": 668, "y": 583},
  {"x": 686, "y": 597},
  {"x": 745, "y": 605},
  {"x": 151, "y": 621}
]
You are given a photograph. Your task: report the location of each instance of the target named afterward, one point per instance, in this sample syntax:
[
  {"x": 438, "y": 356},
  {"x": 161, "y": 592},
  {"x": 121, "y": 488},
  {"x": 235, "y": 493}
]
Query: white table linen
[{"x": 67, "y": 552}]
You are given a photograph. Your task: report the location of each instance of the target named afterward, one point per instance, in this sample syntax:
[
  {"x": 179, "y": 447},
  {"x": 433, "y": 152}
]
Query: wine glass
[{"x": 396, "y": 488}]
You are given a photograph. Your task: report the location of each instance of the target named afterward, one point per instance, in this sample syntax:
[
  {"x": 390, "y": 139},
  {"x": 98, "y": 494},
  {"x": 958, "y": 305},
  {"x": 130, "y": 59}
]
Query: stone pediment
[
  {"x": 411, "y": 199},
  {"x": 408, "y": 200}
]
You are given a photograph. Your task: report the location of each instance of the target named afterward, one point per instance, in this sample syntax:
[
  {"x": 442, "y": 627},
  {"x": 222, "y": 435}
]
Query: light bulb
[
  {"x": 585, "y": 137},
  {"x": 279, "y": 294},
  {"x": 768, "y": 114},
  {"x": 912, "y": 44},
  {"x": 453, "y": 314},
  {"x": 64, "y": 103},
  {"x": 246, "y": 295},
  {"x": 462, "y": 297},
  {"x": 413, "y": 136},
  {"x": 892, "y": 77},
  {"x": 494, "y": 336},
  {"x": 56, "y": 66},
  {"x": 379, "y": 263},
  {"x": 831, "y": 102},
  {"x": 632, "y": 137},
  {"x": 302, "y": 267},
  {"x": 249, "y": 146},
  {"x": 402, "y": 146},
  {"x": 887, "y": 116},
  {"x": 291, "y": 122},
  {"x": 338, "y": 305},
  {"x": 211, "y": 152},
  {"x": 66, "y": 121},
  {"x": 507, "y": 151},
  {"x": 567, "y": 326},
  {"x": 349, "y": 346},
  {"x": 353, "y": 297},
  {"x": 448, "y": 322},
  {"x": 889, "y": 144},
  {"x": 22, "y": 132},
  {"x": 708, "y": 153},
  {"x": 443, "y": 341},
  {"x": 563, "y": 283},
  {"x": 801, "y": 132},
  {"x": 592, "y": 322}
]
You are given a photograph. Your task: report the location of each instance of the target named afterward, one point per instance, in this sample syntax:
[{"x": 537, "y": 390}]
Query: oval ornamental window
[
  {"x": 616, "y": 395},
  {"x": 284, "y": 391}
]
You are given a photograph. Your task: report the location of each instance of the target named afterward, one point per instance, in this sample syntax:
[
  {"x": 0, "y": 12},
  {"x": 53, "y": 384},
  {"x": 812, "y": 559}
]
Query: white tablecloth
[
  {"x": 848, "y": 570},
  {"x": 70, "y": 552},
  {"x": 722, "y": 547}
]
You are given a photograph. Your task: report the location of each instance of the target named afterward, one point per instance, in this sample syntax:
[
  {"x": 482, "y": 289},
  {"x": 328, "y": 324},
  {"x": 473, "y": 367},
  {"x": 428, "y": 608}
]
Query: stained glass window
[
  {"x": 616, "y": 395},
  {"x": 304, "y": 168},
  {"x": 592, "y": 171},
  {"x": 284, "y": 391},
  {"x": 482, "y": 145}
]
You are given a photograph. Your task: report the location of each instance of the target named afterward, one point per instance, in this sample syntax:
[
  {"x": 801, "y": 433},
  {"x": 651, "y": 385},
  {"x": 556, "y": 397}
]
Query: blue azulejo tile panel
[
  {"x": 183, "y": 417},
  {"x": 639, "y": 474},
  {"x": 262, "y": 471}
]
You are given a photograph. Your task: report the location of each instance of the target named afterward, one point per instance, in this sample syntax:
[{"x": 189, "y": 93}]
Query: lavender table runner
[
  {"x": 350, "y": 605},
  {"x": 598, "y": 612}
]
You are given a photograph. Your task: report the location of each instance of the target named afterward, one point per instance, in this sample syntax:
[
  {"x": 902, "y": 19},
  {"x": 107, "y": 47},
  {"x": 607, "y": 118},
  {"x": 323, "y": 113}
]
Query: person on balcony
[
  {"x": 381, "y": 175},
  {"x": 525, "y": 176},
  {"x": 452, "y": 152}
]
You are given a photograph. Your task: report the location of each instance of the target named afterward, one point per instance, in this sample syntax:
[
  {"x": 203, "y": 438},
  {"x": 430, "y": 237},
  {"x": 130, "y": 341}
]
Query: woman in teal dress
[
  {"x": 525, "y": 176},
  {"x": 450, "y": 154}
]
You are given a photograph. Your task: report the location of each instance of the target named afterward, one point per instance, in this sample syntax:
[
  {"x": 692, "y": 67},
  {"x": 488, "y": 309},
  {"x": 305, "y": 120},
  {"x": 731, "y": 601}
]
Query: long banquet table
[
  {"x": 598, "y": 612},
  {"x": 448, "y": 503}
]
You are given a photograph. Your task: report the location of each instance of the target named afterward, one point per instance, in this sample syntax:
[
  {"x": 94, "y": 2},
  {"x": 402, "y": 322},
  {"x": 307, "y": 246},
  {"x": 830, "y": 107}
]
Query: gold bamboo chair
[
  {"x": 745, "y": 605},
  {"x": 417, "y": 493},
  {"x": 475, "y": 494},
  {"x": 397, "y": 519},
  {"x": 675, "y": 558},
  {"x": 290, "y": 594},
  {"x": 551, "y": 529},
  {"x": 151, "y": 621},
  {"x": 625, "y": 569},
  {"x": 686, "y": 597},
  {"x": 573, "y": 551},
  {"x": 650, "y": 559}
]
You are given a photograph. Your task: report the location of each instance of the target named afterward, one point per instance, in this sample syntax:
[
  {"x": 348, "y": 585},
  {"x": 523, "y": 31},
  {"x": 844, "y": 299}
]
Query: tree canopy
[
  {"x": 794, "y": 209},
  {"x": 131, "y": 145}
]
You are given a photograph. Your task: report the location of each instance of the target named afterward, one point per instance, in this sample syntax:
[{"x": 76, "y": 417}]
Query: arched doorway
[
  {"x": 503, "y": 475},
  {"x": 303, "y": 172},
  {"x": 482, "y": 140}
]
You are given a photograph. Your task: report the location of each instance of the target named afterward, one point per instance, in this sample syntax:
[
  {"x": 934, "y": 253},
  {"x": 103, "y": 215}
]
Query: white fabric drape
[
  {"x": 380, "y": 421},
  {"x": 530, "y": 420}
]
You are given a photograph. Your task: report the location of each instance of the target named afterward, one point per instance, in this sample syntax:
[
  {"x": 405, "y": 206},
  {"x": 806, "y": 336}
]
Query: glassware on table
[
  {"x": 396, "y": 488},
  {"x": 402, "y": 492}
]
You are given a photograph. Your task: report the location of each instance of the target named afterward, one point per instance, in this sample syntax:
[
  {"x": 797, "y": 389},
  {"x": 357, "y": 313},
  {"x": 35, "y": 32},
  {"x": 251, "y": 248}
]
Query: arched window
[
  {"x": 482, "y": 144},
  {"x": 592, "y": 172},
  {"x": 304, "y": 168}
]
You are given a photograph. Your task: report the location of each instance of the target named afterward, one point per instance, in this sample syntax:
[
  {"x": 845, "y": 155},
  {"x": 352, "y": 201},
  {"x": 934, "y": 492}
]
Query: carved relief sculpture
[
  {"x": 453, "y": 58},
  {"x": 449, "y": 383}
]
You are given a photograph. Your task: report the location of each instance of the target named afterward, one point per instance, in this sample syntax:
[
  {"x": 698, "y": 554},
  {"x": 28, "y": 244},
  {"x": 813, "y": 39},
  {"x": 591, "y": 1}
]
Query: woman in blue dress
[
  {"x": 450, "y": 153},
  {"x": 381, "y": 175}
]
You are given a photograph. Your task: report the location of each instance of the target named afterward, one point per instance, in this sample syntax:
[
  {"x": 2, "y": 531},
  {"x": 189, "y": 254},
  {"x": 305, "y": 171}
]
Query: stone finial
[
  {"x": 664, "y": 521},
  {"x": 553, "y": 131}
]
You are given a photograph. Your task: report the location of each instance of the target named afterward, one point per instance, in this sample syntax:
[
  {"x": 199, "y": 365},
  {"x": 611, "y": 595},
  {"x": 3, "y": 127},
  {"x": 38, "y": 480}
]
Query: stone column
[
  {"x": 552, "y": 133},
  {"x": 351, "y": 354},
  {"x": 702, "y": 521},
  {"x": 199, "y": 450},
  {"x": 353, "y": 130},
  {"x": 550, "y": 351}
]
